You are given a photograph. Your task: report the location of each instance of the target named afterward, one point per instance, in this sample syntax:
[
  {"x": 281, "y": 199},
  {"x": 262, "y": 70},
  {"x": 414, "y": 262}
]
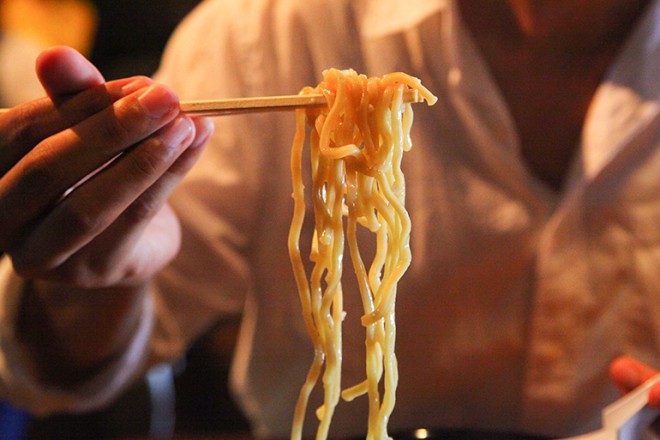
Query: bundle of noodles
[{"x": 356, "y": 146}]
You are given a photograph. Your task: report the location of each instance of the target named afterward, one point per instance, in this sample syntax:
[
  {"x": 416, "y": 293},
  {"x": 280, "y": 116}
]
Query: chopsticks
[{"x": 219, "y": 107}]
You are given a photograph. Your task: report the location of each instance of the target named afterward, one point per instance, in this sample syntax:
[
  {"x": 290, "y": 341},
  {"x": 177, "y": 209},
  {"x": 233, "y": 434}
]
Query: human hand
[
  {"x": 85, "y": 174},
  {"x": 629, "y": 373}
]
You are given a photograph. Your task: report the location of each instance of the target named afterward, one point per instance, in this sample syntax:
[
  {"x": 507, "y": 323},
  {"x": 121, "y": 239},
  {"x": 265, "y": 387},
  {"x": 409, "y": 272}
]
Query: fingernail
[
  {"x": 157, "y": 101},
  {"x": 177, "y": 131},
  {"x": 135, "y": 85}
]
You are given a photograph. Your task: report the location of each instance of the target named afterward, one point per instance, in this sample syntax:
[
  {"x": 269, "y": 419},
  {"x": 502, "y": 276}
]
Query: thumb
[{"x": 63, "y": 72}]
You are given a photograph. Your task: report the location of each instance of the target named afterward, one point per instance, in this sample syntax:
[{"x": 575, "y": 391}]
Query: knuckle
[
  {"x": 117, "y": 129},
  {"x": 132, "y": 272},
  {"x": 20, "y": 134},
  {"x": 147, "y": 162},
  {"x": 142, "y": 209},
  {"x": 77, "y": 219},
  {"x": 126, "y": 121},
  {"x": 20, "y": 128},
  {"x": 35, "y": 174},
  {"x": 28, "y": 191}
]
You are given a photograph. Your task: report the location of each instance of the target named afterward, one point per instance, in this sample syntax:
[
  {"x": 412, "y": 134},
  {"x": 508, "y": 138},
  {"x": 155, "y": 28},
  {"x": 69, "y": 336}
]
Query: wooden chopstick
[{"x": 218, "y": 107}]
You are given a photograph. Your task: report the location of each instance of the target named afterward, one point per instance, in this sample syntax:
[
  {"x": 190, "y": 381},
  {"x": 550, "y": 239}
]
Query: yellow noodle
[{"x": 356, "y": 149}]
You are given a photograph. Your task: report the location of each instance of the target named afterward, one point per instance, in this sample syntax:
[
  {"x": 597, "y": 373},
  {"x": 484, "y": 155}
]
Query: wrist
[{"x": 76, "y": 332}]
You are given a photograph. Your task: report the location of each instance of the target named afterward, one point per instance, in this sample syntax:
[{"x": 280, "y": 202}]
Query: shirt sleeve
[{"x": 20, "y": 385}]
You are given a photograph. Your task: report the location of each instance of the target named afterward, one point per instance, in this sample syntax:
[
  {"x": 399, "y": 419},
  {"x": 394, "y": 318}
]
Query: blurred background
[{"x": 123, "y": 38}]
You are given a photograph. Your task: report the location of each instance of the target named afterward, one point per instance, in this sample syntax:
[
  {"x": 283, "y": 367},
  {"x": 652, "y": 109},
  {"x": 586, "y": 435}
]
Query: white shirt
[{"x": 517, "y": 298}]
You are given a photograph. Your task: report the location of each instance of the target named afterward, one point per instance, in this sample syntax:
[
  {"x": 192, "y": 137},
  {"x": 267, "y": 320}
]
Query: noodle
[{"x": 356, "y": 148}]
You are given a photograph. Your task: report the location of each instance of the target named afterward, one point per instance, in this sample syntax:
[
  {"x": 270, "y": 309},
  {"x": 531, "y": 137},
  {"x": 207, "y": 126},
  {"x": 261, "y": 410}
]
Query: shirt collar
[{"x": 629, "y": 98}]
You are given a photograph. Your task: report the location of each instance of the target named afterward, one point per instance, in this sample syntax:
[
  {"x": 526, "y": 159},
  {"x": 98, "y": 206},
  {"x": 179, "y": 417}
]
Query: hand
[
  {"x": 85, "y": 175},
  {"x": 629, "y": 373}
]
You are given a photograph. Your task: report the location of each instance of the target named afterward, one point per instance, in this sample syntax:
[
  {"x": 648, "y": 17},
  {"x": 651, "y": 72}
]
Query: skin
[{"x": 90, "y": 257}]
